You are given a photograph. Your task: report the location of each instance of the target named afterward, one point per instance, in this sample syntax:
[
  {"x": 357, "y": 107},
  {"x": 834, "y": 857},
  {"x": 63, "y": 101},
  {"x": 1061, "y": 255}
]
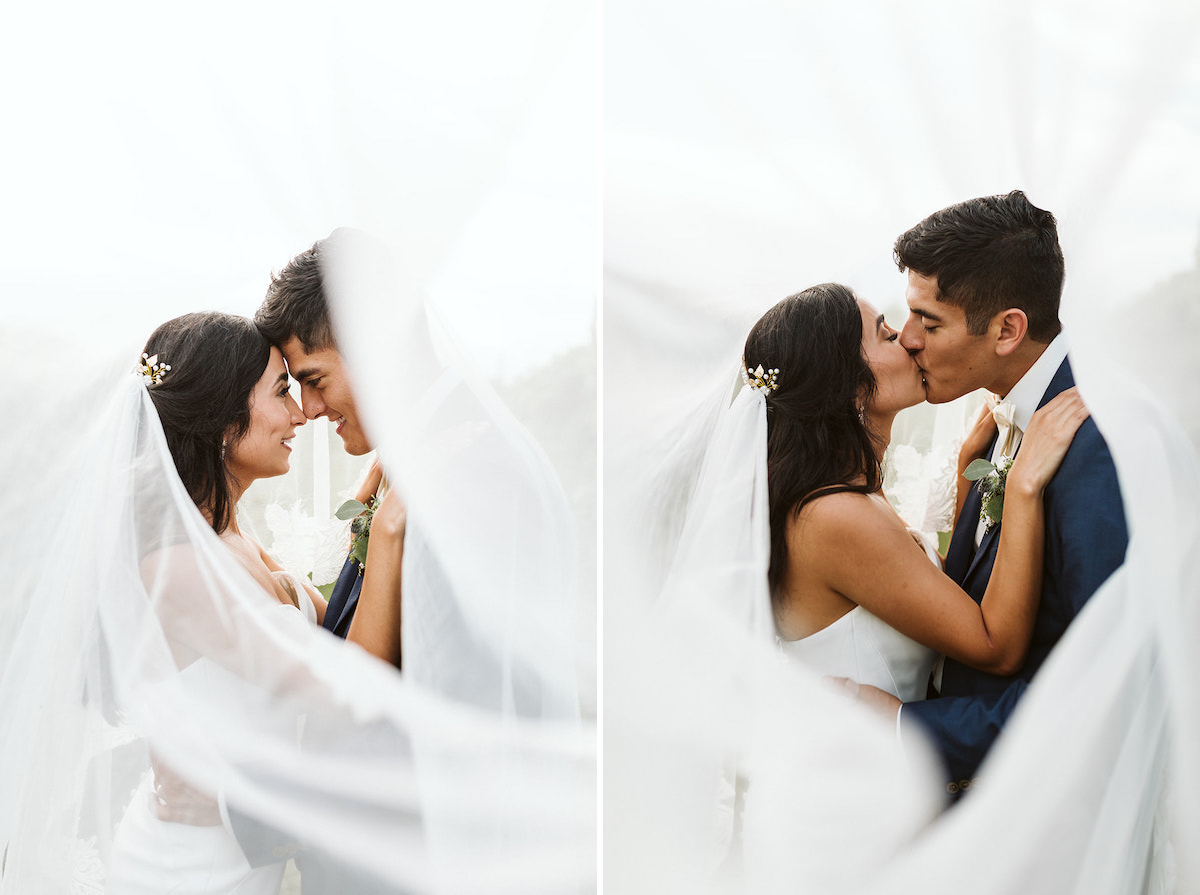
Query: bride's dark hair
[
  {"x": 203, "y": 402},
  {"x": 817, "y": 442}
]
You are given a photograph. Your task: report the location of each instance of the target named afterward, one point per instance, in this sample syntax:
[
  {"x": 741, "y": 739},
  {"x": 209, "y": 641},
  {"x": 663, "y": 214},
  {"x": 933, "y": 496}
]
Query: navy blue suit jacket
[
  {"x": 344, "y": 599},
  {"x": 1086, "y": 539}
]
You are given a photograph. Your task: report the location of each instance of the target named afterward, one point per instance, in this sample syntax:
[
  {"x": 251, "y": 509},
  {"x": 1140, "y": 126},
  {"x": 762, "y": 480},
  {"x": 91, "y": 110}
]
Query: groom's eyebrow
[
  {"x": 928, "y": 315},
  {"x": 302, "y": 375}
]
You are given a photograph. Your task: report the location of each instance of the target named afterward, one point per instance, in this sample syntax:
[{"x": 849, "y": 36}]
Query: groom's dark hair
[
  {"x": 295, "y": 304},
  {"x": 990, "y": 254}
]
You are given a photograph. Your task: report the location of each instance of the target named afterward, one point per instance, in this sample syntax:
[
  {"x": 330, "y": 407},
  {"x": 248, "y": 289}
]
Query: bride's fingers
[{"x": 1061, "y": 416}]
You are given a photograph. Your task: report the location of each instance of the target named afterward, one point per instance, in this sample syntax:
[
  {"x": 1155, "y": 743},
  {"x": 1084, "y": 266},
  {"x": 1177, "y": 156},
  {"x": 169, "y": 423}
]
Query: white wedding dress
[
  {"x": 152, "y": 856},
  {"x": 862, "y": 647},
  {"x": 788, "y": 846}
]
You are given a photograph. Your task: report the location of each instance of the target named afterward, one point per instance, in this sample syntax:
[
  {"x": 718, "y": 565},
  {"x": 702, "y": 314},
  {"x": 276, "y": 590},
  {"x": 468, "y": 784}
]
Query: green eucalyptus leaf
[
  {"x": 993, "y": 505},
  {"x": 978, "y": 469},
  {"x": 350, "y": 509},
  {"x": 360, "y": 550}
]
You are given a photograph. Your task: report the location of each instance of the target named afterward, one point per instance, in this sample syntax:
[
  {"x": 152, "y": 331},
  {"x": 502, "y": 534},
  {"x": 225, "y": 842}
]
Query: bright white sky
[
  {"x": 160, "y": 158},
  {"x": 780, "y": 144}
]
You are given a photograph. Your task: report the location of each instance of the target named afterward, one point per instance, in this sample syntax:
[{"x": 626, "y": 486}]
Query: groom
[
  {"x": 984, "y": 281},
  {"x": 294, "y": 316}
]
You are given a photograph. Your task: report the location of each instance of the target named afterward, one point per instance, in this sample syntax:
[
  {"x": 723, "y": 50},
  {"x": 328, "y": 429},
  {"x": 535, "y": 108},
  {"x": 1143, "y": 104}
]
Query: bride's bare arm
[{"x": 866, "y": 554}]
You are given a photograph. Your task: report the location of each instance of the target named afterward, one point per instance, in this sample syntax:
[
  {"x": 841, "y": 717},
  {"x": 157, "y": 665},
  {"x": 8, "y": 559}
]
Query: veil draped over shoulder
[
  {"x": 752, "y": 151},
  {"x": 132, "y": 639}
]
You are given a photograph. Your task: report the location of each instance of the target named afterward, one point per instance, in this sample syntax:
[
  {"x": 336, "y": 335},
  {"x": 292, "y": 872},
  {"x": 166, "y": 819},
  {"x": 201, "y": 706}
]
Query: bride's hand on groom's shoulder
[{"x": 1051, "y": 431}]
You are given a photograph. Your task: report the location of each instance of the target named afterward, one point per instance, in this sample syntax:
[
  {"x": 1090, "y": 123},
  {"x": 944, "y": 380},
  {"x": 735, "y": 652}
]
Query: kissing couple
[{"x": 790, "y": 493}]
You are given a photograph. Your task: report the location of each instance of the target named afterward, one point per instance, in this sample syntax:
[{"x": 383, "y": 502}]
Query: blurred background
[{"x": 755, "y": 149}]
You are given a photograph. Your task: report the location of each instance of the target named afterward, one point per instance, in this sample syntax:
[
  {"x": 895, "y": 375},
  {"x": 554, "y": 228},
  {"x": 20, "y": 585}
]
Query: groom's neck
[{"x": 1016, "y": 366}]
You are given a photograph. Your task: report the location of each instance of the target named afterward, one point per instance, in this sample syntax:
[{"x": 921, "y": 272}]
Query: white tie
[
  {"x": 1004, "y": 412},
  {"x": 1007, "y": 438}
]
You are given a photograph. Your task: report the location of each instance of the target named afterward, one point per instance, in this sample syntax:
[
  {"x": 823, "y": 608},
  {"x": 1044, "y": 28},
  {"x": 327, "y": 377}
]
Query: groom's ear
[{"x": 1011, "y": 328}]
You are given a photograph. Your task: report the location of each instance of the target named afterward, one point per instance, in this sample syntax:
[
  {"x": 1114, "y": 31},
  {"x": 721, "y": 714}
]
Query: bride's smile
[{"x": 265, "y": 450}]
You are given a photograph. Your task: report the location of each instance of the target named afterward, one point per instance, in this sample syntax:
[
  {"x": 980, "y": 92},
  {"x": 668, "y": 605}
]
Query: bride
[{"x": 221, "y": 393}]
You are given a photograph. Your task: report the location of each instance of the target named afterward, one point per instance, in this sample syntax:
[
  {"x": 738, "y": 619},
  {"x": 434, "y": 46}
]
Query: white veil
[
  {"x": 128, "y": 634},
  {"x": 144, "y": 637},
  {"x": 754, "y": 150}
]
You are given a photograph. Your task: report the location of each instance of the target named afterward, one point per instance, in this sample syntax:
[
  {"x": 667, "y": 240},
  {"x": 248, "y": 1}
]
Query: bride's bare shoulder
[{"x": 845, "y": 518}]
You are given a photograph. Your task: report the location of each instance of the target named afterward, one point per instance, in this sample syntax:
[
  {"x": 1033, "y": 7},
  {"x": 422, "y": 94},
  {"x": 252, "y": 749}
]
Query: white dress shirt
[{"x": 1025, "y": 397}]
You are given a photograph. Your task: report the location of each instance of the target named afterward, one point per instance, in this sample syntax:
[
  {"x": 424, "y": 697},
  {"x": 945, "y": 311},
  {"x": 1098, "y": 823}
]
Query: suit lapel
[
  {"x": 1063, "y": 380},
  {"x": 962, "y": 543},
  {"x": 343, "y": 598},
  {"x": 985, "y": 547},
  {"x": 961, "y": 553},
  {"x": 347, "y": 614},
  {"x": 988, "y": 544}
]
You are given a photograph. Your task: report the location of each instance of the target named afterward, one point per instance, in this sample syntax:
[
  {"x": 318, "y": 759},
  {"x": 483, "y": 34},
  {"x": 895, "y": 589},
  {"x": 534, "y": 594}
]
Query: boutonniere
[
  {"x": 361, "y": 515},
  {"x": 991, "y": 477}
]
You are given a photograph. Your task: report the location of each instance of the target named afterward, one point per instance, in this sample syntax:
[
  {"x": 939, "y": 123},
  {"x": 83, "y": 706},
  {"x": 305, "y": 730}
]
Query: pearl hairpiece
[
  {"x": 759, "y": 379},
  {"x": 152, "y": 372}
]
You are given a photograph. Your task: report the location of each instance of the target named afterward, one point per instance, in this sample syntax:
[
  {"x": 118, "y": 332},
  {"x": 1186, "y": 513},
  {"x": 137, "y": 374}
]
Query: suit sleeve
[
  {"x": 1086, "y": 537},
  {"x": 962, "y": 728}
]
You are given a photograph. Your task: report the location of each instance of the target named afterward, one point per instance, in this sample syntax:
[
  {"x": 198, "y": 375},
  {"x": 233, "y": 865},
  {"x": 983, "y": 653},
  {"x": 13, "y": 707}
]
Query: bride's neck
[
  {"x": 880, "y": 430},
  {"x": 236, "y": 490}
]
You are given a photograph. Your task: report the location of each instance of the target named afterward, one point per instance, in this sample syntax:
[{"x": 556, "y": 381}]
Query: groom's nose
[
  {"x": 911, "y": 337},
  {"x": 310, "y": 402}
]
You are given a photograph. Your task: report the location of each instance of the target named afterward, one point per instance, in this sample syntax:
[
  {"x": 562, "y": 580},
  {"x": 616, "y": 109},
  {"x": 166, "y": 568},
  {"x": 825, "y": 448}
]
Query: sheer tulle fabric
[
  {"x": 142, "y": 639},
  {"x": 129, "y": 637},
  {"x": 799, "y": 143}
]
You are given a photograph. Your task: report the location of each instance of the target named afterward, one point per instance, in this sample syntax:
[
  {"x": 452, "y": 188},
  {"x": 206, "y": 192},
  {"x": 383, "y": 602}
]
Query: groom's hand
[{"x": 878, "y": 700}]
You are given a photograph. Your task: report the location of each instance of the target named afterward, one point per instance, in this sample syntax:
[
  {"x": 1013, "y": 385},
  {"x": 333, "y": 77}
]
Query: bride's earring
[
  {"x": 222, "y": 452},
  {"x": 862, "y": 415}
]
